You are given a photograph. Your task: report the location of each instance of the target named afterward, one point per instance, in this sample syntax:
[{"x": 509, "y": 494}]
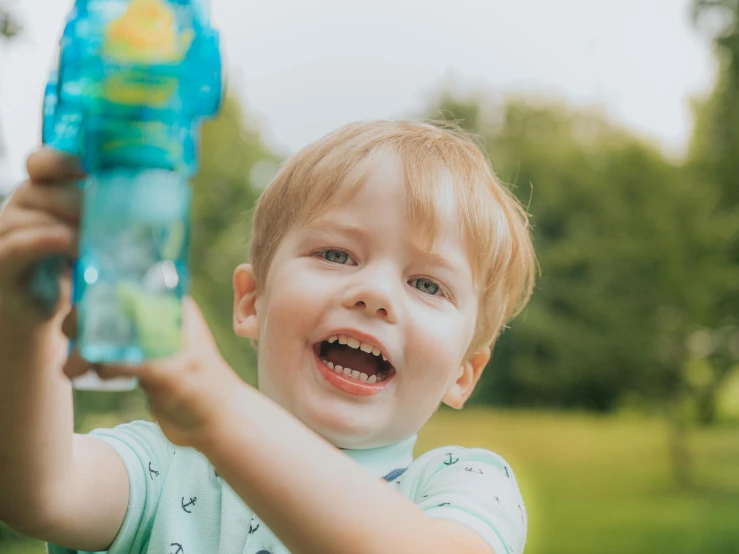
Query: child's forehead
[
  {"x": 423, "y": 189},
  {"x": 383, "y": 185},
  {"x": 435, "y": 199}
]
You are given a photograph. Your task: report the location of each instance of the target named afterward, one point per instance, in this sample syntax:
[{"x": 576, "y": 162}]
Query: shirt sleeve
[
  {"x": 475, "y": 488},
  {"x": 147, "y": 455}
]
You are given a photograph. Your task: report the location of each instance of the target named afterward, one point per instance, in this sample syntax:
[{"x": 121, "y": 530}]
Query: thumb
[
  {"x": 195, "y": 326},
  {"x": 47, "y": 164},
  {"x": 76, "y": 365}
]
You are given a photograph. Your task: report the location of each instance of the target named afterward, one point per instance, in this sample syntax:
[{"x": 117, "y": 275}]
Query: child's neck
[{"x": 384, "y": 459}]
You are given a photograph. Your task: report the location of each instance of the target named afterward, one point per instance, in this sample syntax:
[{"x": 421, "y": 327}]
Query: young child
[{"x": 385, "y": 261}]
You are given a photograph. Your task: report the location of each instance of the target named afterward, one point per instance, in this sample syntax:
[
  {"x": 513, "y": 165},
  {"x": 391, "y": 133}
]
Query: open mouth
[{"x": 354, "y": 359}]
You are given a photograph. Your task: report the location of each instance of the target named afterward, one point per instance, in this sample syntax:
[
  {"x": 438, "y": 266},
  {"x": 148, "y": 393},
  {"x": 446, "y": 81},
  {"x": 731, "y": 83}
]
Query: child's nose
[{"x": 373, "y": 300}]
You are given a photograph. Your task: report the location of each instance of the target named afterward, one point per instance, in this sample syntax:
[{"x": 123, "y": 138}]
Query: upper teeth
[{"x": 357, "y": 345}]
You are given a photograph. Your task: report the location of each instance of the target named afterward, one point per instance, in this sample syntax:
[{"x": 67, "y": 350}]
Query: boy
[{"x": 385, "y": 260}]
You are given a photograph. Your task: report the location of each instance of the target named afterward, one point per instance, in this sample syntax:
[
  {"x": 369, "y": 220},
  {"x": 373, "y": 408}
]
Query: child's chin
[{"x": 342, "y": 428}]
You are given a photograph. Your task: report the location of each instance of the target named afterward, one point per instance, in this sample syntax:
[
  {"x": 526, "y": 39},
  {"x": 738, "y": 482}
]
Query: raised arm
[{"x": 55, "y": 486}]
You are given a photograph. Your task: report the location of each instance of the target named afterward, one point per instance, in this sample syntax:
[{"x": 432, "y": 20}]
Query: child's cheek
[
  {"x": 296, "y": 304},
  {"x": 290, "y": 317},
  {"x": 441, "y": 345}
]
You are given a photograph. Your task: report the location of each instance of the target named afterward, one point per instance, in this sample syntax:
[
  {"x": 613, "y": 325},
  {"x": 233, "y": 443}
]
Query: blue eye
[
  {"x": 426, "y": 285},
  {"x": 335, "y": 256}
]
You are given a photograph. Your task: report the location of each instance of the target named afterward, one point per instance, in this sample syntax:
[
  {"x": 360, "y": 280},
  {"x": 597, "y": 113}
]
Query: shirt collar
[{"x": 382, "y": 460}]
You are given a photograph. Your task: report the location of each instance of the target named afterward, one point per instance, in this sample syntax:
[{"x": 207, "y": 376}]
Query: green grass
[
  {"x": 22, "y": 547},
  {"x": 604, "y": 484},
  {"x": 598, "y": 485}
]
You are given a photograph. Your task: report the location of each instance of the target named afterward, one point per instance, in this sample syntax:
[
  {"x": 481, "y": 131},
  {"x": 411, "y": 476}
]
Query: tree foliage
[
  {"x": 9, "y": 25},
  {"x": 626, "y": 245},
  {"x": 9, "y": 29},
  {"x": 713, "y": 159},
  {"x": 715, "y": 142},
  {"x": 233, "y": 157}
]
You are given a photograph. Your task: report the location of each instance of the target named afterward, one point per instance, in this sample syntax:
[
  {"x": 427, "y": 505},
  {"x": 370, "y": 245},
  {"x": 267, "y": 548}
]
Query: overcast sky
[{"x": 304, "y": 68}]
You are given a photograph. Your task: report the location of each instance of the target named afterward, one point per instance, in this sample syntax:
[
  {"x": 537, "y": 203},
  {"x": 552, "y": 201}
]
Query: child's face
[{"x": 355, "y": 272}]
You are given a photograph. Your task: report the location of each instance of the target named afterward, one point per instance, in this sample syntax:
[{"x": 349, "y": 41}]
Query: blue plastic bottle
[{"x": 135, "y": 80}]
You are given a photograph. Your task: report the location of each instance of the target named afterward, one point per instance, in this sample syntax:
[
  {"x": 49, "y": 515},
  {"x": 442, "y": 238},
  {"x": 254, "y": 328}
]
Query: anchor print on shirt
[
  {"x": 152, "y": 472},
  {"x": 252, "y": 528},
  {"x": 451, "y": 460},
  {"x": 179, "y": 550},
  {"x": 264, "y": 552},
  {"x": 191, "y": 503},
  {"x": 520, "y": 509}
]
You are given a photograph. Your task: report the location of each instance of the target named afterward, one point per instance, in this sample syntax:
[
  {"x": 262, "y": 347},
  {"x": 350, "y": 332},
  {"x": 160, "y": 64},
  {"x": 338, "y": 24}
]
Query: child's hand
[
  {"x": 187, "y": 392},
  {"x": 40, "y": 219}
]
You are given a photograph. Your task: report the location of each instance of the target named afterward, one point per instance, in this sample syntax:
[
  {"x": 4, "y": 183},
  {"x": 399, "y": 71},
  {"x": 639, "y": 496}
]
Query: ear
[
  {"x": 469, "y": 375},
  {"x": 245, "y": 320}
]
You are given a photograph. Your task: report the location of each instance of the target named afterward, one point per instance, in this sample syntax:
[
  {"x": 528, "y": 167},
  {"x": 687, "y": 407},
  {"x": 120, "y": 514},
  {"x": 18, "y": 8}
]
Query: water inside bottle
[{"x": 132, "y": 273}]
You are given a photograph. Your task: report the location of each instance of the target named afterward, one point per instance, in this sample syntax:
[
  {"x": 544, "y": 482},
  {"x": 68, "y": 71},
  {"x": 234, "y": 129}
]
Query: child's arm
[
  {"x": 53, "y": 485},
  {"x": 314, "y": 498}
]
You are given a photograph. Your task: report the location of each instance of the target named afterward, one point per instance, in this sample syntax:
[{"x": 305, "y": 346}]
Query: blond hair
[{"x": 443, "y": 168}]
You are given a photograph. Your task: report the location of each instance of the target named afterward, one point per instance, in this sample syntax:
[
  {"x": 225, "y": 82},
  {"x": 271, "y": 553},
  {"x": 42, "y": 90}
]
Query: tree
[
  {"x": 713, "y": 162},
  {"x": 9, "y": 29},
  {"x": 9, "y": 25},
  {"x": 618, "y": 232},
  {"x": 715, "y": 142}
]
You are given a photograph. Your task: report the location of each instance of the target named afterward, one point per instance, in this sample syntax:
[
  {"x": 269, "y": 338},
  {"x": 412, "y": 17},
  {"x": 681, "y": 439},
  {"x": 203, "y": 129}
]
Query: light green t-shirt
[{"x": 179, "y": 505}]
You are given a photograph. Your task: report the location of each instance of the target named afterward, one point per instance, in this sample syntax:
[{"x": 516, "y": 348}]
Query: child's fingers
[
  {"x": 21, "y": 248},
  {"x": 69, "y": 325},
  {"x": 193, "y": 321},
  {"x": 63, "y": 200},
  {"x": 47, "y": 164},
  {"x": 195, "y": 327},
  {"x": 108, "y": 371},
  {"x": 22, "y": 218},
  {"x": 75, "y": 365}
]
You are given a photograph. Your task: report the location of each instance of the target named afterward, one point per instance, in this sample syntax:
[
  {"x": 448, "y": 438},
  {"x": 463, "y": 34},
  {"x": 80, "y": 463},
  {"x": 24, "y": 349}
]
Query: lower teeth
[{"x": 353, "y": 374}]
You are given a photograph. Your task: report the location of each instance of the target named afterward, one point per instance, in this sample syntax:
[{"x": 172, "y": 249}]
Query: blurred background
[{"x": 615, "y": 395}]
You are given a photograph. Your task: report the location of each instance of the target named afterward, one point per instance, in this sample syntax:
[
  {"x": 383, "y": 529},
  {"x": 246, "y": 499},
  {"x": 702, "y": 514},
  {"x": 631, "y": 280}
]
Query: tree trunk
[
  {"x": 706, "y": 405},
  {"x": 679, "y": 452}
]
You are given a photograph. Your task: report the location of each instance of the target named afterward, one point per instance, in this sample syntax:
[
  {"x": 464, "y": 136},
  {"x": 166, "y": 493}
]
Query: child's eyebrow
[
  {"x": 336, "y": 227},
  {"x": 436, "y": 260}
]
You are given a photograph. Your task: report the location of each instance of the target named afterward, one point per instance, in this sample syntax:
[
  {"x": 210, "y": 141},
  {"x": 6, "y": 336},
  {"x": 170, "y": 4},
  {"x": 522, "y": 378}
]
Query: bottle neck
[{"x": 204, "y": 7}]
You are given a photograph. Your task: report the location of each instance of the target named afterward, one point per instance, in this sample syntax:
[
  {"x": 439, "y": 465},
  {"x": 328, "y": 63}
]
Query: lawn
[
  {"x": 599, "y": 485},
  {"x": 602, "y": 485}
]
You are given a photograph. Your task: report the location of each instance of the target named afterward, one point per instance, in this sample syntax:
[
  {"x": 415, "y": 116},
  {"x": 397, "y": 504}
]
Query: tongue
[{"x": 346, "y": 356}]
